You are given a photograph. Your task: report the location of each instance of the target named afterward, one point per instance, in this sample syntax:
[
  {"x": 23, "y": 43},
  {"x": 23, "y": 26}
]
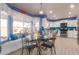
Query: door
[{"x": 63, "y": 30}]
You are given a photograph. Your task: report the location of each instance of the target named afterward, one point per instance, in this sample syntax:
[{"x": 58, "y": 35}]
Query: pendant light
[{"x": 41, "y": 11}]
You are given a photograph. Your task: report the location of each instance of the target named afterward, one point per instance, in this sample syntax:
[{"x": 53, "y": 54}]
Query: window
[
  {"x": 36, "y": 30},
  {"x": 27, "y": 26},
  {"x": 3, "y": 29},
  {"x": 20, "y": 26},
  {"x": 17, "y": 26},
  {"x": 3, "y": 26}
]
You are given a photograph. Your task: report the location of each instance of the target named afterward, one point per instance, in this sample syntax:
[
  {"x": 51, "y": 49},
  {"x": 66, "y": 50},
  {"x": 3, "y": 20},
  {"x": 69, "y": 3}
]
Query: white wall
[
  {"x": 71, "y": 34},
  {"x": 11, "y": 46}
]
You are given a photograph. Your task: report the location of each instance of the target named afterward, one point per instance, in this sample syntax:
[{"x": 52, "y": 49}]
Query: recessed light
[
  {"x": 41, "y": 12},
  {"x": 72, "y": 6},
  {"x": 51, "y": 12}
]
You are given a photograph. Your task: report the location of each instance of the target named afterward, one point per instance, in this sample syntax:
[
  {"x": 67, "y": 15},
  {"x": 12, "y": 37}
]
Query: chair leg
[
  {"x": 28, "y": 51},
  {"x": 22, "y": 50},
  {"x": 54, "y": 50},
  {"x": 38, "y": 51},
  {"x": 51, "y": 51}
]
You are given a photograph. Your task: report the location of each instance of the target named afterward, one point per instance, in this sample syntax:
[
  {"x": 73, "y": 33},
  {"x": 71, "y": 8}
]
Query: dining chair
[{"x": 50, "y": 43}]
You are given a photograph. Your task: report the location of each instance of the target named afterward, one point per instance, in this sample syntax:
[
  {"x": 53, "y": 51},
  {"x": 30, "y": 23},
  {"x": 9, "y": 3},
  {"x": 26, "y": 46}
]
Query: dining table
[{"x": 39, "y": 42}]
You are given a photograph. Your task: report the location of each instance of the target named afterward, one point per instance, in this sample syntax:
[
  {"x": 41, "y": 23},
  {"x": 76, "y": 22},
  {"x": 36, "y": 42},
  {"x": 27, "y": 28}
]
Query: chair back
[{"x": 54, "y": 36}]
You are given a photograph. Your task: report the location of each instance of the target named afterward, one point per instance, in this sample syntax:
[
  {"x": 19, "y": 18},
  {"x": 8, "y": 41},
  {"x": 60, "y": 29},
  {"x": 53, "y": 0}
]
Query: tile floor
[{"x": 64, "y": 46}]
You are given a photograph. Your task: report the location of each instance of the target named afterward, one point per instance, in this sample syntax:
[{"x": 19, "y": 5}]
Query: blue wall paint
[
  {"x": 56, "y": 20},
  {"x": 10, "y": 25},
  {"x": 40, "y": 27},
  {"x": 59, "y": 28}
]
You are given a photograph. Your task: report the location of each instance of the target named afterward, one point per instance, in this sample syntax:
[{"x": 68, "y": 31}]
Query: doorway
[{"x": 63, "y": 30}]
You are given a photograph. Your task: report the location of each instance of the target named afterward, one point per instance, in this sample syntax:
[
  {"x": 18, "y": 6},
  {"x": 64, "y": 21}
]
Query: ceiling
[{"x": 52, "y": 10}]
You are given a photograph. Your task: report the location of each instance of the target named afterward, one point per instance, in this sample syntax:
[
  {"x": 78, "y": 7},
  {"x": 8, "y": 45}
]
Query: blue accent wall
[
  {"x": 10, "y": 25},
  {"x": 56, "y": 20},
  {"x": 60, "y": 28},
  {"x": 40, "y": 26}
]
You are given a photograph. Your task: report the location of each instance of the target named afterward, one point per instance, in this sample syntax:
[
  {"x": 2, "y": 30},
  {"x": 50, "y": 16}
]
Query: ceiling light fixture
[
  {"x": 72, "y": 6},
  {"x": 41, "y": 11},
  {"x": 50, "y": 11}
]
